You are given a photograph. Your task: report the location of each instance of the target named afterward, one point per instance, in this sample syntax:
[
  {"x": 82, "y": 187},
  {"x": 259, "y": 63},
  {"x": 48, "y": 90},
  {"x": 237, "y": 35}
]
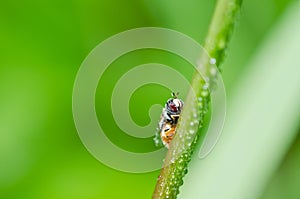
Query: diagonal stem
[{"x": 179, "y": 155}]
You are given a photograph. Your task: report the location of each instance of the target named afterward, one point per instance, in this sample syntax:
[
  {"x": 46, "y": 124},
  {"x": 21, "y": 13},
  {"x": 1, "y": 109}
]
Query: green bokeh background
[{"x": 42, "y": 46}]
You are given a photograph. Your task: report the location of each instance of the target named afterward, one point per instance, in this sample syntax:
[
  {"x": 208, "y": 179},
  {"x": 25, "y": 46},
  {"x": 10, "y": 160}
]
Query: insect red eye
[{"x": 173, "y": 107}]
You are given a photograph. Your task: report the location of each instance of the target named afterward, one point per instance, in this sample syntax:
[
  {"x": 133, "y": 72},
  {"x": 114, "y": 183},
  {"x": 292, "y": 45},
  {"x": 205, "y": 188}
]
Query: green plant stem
[
  {"x": 221, "y": 28},
  {"x": 191, "y": 120}
]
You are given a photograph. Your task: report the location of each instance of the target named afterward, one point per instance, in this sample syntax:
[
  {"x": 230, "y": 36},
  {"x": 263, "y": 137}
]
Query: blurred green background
[{"x": 42, "y": 46}]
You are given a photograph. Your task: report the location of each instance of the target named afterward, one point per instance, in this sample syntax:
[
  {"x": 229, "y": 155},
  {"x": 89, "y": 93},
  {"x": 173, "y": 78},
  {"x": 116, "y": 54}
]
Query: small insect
[{"x": 169, "y": 118}]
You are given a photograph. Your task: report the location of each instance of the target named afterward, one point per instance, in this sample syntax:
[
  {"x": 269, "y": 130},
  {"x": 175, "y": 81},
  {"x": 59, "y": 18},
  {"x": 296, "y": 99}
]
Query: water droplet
[
  {"x": 173, "y": 159},
  {"x": 192, "y": 131},
  {"x": 205, "y": 86},
  {"x": 195, "y": 115},
  {"x": 173, "y": 153},
  {"x": 212, "y": 61},
  {"x": 180, "y": 182},
  {"x": 204, "y": 93},
  {"x": 185, "y": 171},
  {"x": 200, "y": 105}
]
